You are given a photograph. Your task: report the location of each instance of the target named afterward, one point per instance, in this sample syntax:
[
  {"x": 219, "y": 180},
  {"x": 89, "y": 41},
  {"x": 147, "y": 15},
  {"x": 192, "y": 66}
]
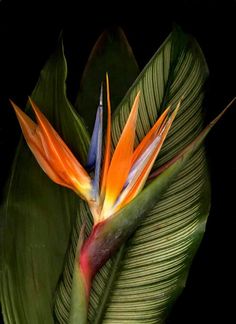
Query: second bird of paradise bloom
[{"x": 107, "y": 184}]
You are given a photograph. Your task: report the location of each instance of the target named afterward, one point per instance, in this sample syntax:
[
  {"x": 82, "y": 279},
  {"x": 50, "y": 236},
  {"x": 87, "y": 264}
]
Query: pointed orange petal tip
[
  {"x": 26, "y": 123},
  {"x": 107, "y": 153},
  {"x": 121, "y": 160},
  {"x": 18, "y": 111},
  {"x": 138, "y": 183},
  {"x": 39, "y": 115},
  {"x": 52, "y": 154},
  {"x": 31, "y": 102},
  {"x": 149, "y": 136},
  {"x": 62, "y": 159},
  {"x": 16, "y": 108}
]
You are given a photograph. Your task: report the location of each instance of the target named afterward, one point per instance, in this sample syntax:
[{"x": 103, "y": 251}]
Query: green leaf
[
  {"x": 152, "y": 270},
  {"x": 106, "y": 237},
  {"x": 145, "y": 277},
  {"x": 37, "y": 215},
  {"x": 113, "y": 54}
]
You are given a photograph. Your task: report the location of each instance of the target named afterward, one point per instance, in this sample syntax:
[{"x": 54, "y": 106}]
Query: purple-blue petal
[
  {"x": 142, "y": 160},
  {"x": 91, "y": 160},
  {"x": 96, "y": 180}
]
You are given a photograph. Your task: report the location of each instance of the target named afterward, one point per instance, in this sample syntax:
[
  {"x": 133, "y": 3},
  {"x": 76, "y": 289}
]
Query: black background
[{"x": 28, "y": 35}]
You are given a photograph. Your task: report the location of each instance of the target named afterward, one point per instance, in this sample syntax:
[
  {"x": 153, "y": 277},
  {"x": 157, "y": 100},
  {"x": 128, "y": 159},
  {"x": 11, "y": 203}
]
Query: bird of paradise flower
[
  {"x": 108, "y": 183},
  {"x": 108, "y": 190}
]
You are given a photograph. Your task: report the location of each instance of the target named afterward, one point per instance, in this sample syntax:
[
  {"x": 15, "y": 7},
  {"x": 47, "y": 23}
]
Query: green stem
[
  {"x": 79, "y": 303},
  {"x": 79, "y": 294}
]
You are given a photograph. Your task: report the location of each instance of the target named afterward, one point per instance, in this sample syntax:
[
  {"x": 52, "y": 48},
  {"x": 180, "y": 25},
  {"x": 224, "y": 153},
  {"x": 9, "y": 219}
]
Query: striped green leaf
[
  {"x": 146, "y": 278},
  {"x": 152, "y": 270},
  {"x": 142, "y": 281},
  {"x": 37, "y": 215}
]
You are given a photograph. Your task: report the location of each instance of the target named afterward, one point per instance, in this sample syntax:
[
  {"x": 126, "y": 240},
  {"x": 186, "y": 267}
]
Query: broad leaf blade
[
  {"x": 37, "y": 214},
  {"x": 112, "y": 54},
  {"x": 141, "y": 282}
]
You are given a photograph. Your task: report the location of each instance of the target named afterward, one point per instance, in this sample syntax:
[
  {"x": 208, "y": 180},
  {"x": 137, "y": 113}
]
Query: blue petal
[
  {"x": 91, "y": 161},
  {"x": 96, "y": 180}
]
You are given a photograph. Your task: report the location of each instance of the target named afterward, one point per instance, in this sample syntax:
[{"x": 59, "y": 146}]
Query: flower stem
[
  {"x": 79, "y": 299},
  {"x": 80, "y": 287}
]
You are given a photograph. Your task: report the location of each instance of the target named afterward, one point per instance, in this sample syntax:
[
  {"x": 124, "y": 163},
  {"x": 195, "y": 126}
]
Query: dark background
[{"x": 28, "y": 35}]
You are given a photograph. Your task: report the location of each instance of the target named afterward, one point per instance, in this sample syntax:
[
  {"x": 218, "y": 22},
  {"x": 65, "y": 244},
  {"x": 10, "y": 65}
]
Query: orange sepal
[
  {"x": 122, "y": 159},
  {"x": 52, "y": 154},
  {"x": 33, "y": 135},
  {"x": 140, "y": 182},
  {"x": 107, "y": 153},
  {"x": 149, "y": 136}
]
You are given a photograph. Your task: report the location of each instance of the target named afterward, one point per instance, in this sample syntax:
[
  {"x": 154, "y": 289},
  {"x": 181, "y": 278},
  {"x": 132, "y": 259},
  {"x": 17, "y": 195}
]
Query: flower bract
[{"x": 110, "y": 183}]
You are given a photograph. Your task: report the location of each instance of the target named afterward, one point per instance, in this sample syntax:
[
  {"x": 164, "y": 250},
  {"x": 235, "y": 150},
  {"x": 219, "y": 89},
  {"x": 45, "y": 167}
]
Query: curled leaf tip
[{"x": 230, "y": 104}]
